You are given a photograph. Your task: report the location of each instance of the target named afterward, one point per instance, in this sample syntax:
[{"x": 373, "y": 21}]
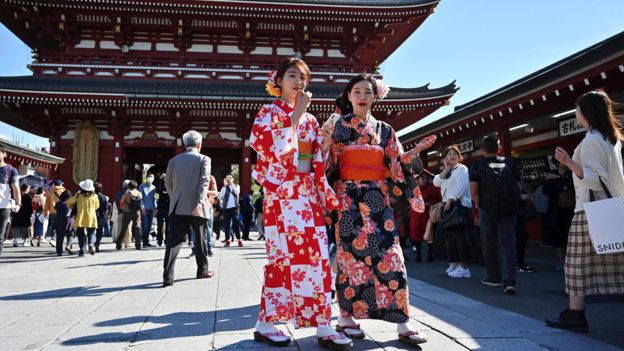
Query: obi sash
[
  {"x": 305, "y": 150},
  {"x": 362, "y": 162}
]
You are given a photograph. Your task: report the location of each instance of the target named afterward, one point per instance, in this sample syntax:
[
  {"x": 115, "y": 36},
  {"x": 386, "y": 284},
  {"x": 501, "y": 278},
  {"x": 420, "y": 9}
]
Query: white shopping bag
[{"x": 605, "y": 219}]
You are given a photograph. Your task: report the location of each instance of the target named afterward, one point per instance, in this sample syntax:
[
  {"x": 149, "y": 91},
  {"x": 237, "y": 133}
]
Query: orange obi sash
[
  {"x": 362, "y": 162},
  {"x": 305, "y": 150}
]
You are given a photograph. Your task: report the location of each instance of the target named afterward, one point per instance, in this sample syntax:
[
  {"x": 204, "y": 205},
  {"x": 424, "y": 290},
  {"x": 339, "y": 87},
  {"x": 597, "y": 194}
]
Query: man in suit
[{"x": 187, "y": 184}]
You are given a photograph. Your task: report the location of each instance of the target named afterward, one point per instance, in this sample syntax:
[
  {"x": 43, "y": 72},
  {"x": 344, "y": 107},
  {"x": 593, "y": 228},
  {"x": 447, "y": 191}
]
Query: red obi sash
[{"x": 362, "y": 162}]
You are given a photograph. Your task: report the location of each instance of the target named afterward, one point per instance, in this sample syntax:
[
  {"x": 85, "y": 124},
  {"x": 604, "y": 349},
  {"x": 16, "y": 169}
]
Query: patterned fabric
[
  {"x": 372, "y": 280},
  {"x": 586, "y": 272},
  {"x": 297, "y": 278}
]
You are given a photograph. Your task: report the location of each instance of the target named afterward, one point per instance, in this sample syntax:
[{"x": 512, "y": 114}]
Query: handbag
[
  {"x": 435, "y": 212},
  {"x": 605, "y": 220},
  {"x": 455, "y": 218}
]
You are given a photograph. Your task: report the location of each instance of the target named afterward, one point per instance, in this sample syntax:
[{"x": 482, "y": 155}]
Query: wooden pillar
[
  {"x": 505, "y": 141},
  {"x": 245, "y": 168}
]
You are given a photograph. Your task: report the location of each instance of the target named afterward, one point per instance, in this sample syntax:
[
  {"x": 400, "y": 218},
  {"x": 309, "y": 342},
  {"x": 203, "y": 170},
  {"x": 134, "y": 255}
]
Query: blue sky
[{"x": 483, "y": 44}]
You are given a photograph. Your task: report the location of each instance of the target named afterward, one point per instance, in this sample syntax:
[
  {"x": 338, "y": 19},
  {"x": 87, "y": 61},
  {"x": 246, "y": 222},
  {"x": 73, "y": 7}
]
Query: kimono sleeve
[
  {"x": 328, "y": 198},
  {"x": 402, "y": 171},
  {"x": 272, "y": 136},
  {"x": 276, "y": 144}
]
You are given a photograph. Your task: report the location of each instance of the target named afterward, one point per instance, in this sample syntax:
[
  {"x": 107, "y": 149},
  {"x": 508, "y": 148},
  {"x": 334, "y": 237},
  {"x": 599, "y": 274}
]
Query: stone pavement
[{"x": 114, "y": 301}]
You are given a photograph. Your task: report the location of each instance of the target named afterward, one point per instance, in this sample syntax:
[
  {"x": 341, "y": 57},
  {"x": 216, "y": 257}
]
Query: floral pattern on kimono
[
  {"x": 372, "y": 280},
  {"x": 297, "y": 277}
]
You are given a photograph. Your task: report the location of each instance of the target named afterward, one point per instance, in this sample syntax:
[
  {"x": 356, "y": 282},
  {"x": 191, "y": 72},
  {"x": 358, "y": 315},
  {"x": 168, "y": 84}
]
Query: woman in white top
[
  {"x": 459, "y": 244},
  {"x": 598, "y": 157}
]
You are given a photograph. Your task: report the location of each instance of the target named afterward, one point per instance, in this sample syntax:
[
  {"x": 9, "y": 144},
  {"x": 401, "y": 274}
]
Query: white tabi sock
[
  {"x": 266, "y": 328},
  {"x": 327, "y": 330}
]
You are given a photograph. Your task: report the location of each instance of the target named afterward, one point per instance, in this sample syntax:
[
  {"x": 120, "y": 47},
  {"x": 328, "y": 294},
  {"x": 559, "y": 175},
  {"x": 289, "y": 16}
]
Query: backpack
[
  {"x": 499, "y": 192},
  {"x": 135, "y": 203},
  {"x": 101, "y": 212}
]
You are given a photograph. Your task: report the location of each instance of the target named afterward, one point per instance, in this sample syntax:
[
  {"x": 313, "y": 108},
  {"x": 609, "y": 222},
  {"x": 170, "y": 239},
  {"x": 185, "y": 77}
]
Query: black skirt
[{"x": 457, "y": 245}]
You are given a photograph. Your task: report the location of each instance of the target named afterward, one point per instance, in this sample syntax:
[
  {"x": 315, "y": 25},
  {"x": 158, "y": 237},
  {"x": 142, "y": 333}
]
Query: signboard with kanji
[
  {"x": 570, "y": 126},
  {"x": 466, "y": 146}
]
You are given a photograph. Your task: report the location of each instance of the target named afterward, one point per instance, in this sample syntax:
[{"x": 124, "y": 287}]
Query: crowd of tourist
[{"x": 349, "y": 183}]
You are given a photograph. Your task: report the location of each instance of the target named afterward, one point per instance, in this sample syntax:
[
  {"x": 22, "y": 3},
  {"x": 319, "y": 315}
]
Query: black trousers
[
  {"x": 247, "y": 219},
  {"x": 230, "y": 219},
  {"x": 130, "y": 218},
  {"x": 162, "y": 218},
  {"x": 180, "y": 226}
]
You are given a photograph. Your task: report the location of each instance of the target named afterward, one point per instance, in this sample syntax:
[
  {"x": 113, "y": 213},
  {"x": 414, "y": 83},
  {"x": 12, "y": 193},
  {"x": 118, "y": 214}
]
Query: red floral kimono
[{"x": 297, "y": 278}]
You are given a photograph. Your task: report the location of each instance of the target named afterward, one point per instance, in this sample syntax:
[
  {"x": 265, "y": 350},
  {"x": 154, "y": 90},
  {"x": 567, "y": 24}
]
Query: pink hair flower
[{"x": 382, "y": 89}]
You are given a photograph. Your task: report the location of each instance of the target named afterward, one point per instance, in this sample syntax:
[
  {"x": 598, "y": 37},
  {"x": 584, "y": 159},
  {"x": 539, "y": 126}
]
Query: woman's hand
[
  {"x": 448, "y": 206},
  {"x": 562, "y": 156},
  {"x": 302, "y": 100}
]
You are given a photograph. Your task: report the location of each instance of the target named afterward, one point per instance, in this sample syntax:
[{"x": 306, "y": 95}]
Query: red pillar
[
  {"x": 117, "y": 163},
  {"x": 54, "y": 140},
  {"x": 505, "y": 141},
  {"x": 245, "y": 168}
]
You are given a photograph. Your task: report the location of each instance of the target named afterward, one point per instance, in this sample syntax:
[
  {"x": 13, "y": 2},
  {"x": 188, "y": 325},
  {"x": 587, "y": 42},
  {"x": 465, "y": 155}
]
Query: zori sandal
[
  {"x": 413, "y": 338},
  {"x": 273, "y": 338},
  {"x": 353, "y": 331},
  {"x": 336, "y": 342}
]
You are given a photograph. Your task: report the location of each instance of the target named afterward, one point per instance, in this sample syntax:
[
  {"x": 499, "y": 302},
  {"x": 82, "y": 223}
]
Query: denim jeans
[
  {"x": 146, "y": 224},
  {"x": 85, "y": 235},
  {"x": 5, "y": 214},
  {"x": 498, "y": 236}
]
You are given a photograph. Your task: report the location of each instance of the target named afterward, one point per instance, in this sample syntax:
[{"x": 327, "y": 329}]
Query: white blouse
[
  {"x": 600, "y": 160},
  {"x": 457, "y": 186}
]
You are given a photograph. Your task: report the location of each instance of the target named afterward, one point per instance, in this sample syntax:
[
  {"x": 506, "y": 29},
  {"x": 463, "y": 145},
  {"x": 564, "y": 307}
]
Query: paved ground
[
  {"x": 540, "y": 294},
  {"x": 114, "y": 301}
]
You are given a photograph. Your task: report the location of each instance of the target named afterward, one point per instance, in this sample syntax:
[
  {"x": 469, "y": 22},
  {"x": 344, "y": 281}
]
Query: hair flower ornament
[
  {"x": 271, "y": 86},
  {"x": 382, "y": 89}
]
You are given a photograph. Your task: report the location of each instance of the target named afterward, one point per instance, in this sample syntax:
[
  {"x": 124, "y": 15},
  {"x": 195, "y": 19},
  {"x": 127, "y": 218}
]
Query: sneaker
[
  {"x": 509, "y": 288},
  {"x": 69, "y": 250},
  {"x": 240, "y": 243},
  {"x": 451, "y": 267},
  {"x": 227, "y": 243},
  {"x": 460, "y": 272},
  {"x": 51, "y": 242},
  {"x": 525, "y": 268},
  {"x": 489, "y": 282},
  {"x": 91, "y": 250}
]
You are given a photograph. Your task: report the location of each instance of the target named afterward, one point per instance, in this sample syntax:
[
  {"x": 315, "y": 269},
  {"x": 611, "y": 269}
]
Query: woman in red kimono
[
  {"x": 370, "y": 172},
  {"x": 297, "y": 277},
  {"x": 418, "y": 221}
]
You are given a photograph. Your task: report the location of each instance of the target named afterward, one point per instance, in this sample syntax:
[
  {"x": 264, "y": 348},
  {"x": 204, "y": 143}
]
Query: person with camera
[{"x": 229, "y": 200}]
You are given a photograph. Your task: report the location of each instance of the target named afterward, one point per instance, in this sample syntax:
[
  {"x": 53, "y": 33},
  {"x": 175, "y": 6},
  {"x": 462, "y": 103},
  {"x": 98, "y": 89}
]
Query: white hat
[{"x": 87, "y": 185}]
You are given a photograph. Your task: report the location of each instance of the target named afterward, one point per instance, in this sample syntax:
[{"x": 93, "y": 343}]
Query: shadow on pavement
[
  {"x": 174, "y": 325},
  {"x": 81, "y": 291},
  {"x": 119, "y": 263}
]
